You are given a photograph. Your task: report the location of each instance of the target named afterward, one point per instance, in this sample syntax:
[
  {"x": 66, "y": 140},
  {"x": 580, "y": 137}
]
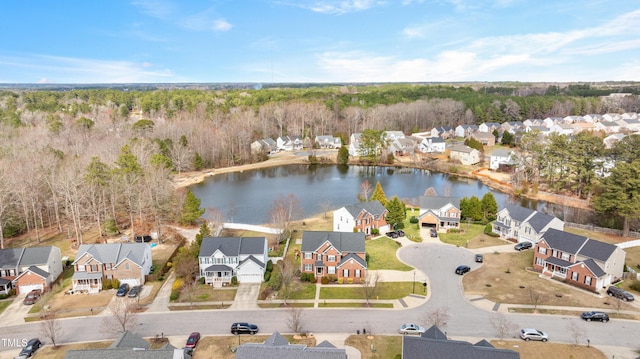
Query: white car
[
  {"x": 533, "y": 334},
  {"x": 411, "y": 329}
]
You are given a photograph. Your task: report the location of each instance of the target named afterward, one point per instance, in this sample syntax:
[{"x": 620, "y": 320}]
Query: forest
[{"x": 101, "y": 159}]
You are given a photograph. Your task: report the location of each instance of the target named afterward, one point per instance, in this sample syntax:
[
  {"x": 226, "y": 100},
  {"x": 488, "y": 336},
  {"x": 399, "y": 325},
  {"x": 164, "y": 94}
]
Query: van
[{"x": 620, "y": 293}]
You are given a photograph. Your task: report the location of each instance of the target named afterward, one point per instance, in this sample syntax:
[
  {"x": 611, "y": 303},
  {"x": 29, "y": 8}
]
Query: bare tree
[
  {"x": 437, "y": 317},
  {"x": 50, "y": 328},
  {"x": 187, "y": 268},
  {"x": 325, "y": 206},
  {"x": 536, "y": 297},
  {"x": 287, "y": 275},
  {"x": 502, "y": 325},
  {"x": 365, "y": 191},
  {"x": 283, "y": 211},
  {"x": 370, "y": 284},
  {"x": 295, "y": 320},
  {"x": 576, "y": 331},
  {"x": 121, "y": 316}
]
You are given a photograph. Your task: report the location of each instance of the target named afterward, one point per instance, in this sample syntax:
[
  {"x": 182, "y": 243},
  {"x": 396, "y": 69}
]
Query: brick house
[
  {"x": 578, "y": 260},
  {"x": 29, "y": 268},
  {"x": 337, "y": 254},
  {"x": 439, "y": 212},
  {"x": 127, "y": 262},
  {"x": 361, "y": 217}
]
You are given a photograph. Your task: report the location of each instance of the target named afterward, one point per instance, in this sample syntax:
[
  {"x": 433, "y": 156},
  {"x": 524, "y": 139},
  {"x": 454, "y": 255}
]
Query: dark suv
[
  {"x": 522, "y": 246},
  {"x": 620, "y": 293},
  {"x": 244, "y": 328},
  {"x": 122, "y": 290},
  {"x": 594, "y": 315}
]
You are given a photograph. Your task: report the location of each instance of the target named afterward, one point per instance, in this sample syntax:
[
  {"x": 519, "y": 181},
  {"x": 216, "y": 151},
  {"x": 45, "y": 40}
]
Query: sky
[{"x": 318, "y": 41}]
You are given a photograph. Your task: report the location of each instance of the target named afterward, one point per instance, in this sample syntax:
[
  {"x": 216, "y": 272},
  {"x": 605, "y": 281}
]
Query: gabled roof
[
  {"x": 277, "y": 347},
  {"x": 36, "y": 255},
  {"x": 519, "y": 213},
  {"x": 564, "y": 241},
  {"x": 10, "y": 257},
  {"x": 462, "y": 148},
  {"x": 501, "y": 153},
  {"x": 438, "y": 202},
  {"x": 597, "y": 250},
  {"x": 434, "y": 333},
  {"x": 540, "y": 220},
  {"x": 350, "y": 256},
  {"x": 276, "y": 339},
  {"x": 35, "y": 270},
  {"x": 374, "y": 207},
  {"x": 251, "y": 259},
  {"x": 232, "y": 246},
  {"x": 130, "y": 346},
  {"x": 114, "y": 252},
  {"x": 346, "y": 242},
  {"x": 130, "y": 340},
  {"x": 594, "y": 268}
]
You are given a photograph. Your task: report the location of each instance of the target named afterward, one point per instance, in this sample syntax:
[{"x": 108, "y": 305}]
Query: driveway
[
  {"x": 246, "y": 297},
  {"x": 15, "y": 312}
]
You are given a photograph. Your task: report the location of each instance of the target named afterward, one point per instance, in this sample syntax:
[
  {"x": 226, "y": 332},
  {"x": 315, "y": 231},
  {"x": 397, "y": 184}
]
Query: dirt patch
[
  {"x": 223, "y": 347},
  {"x": 538, "y": 350},
  {"x": 69, "y": 302}
]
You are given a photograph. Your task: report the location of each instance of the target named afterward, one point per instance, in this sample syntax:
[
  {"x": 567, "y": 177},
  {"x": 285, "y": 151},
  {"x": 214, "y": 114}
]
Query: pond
[{"x": 248, "y": 196}]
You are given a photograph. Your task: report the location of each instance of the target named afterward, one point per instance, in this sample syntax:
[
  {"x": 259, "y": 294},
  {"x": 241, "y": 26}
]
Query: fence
[{"x": 591, "y": 227}]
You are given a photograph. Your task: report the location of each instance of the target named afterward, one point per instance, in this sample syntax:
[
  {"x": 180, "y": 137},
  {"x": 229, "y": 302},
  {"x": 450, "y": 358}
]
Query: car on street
[
  {"x": 244, "y": 328},
  {"x": 122, "y": 290},
  {"x": 193, "y": 340},
  {"x": 32, "y": 346},
  {"x": 135, "y": 291},
  {"x": 479, "y": 258},
  {"x": 32, "y": 297},
  {"x": 410, "y": 328},
  {"x": 462, "y": 269},
  {"x": 392, "y": 234},
  {"x": 595, "y": 315},
  {"x": 533, "y": 334},
  {"x": 620, "y": 293},
  {"x": 522, "y": 246},
  {"x": 433, "y": 232}
]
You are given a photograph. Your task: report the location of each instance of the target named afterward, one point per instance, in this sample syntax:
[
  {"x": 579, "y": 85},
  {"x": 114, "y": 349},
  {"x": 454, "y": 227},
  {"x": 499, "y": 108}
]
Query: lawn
[
  {"x": 4, "y": 304},
  {"x": 378, "y": 347},
  {"x": 382, "y": 254},
  {"x": 219, "y": 347},
  {"x": 206, "y": 293},
  {"x": 354, "y": 305},
  {"x": 412, "y": 230},
  {"x": 49, "y": 352},
  {"x": 538, "y": 350},
  {"x": 468, "y": 233},
  {"x": 384, "y": 291}
]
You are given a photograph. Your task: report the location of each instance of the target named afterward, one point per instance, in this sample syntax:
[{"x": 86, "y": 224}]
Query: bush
[
  {"x": 234, "y": 280},
  {"x": 177, "y": 285},
  {"x": 269, "y": 266},
  {"x": 201, "y": 280},
  {"x": 115, "y": 283},
  {"x": 325, "y": 280},
  {"x": 174, "y": 295},
  {"x": 267, "y": 276},
  {"x": 332, "y": 278},
  {"x": 635, "y": 285},
  {"x": 350, "y": 280},
  {"x": 4, "y": 296},
  {"x": 266, "y": 292},
  {"x": 12, "y": 292},
  {"x": 413, "y": 219},
  {"x": 275, "y": 281},
  {"x": 340, "y": 280},
  {"x": 106, "y": 284},
  {"x": 375, "y": 231}
]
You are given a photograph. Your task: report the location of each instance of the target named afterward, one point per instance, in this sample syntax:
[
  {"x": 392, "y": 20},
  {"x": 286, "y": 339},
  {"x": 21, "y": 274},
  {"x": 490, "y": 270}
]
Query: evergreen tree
[
  {"x": 489, "y": 206},
  {"x": 343, "y": 155},
  {"x": 507, "y": 138},
  {"x": 620, "y": 193},
  {"x": 198, "y": 162},
  {"x": 471, "y": 208},
  {"x": 378, "y": 195},
  {"x": 191, "y": 210},
  {"x": 397, "y": 213}
]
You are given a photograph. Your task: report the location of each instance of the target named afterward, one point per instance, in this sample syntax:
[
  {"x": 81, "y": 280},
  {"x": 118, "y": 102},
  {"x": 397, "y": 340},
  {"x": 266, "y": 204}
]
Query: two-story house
[
  {"x": 578, "y": 260},
  {"x": 29, "y": 268},
  {"x": 361, "y": 217},
  {"x": 432, "y": 145},
  {"x": 277, "y": 346},
  {"x": 222, "y": 258},
  {"x": 524, "y": 224},
  {"x": 127, "y": 262},
  {"x": 439, "y": 212},
  {"x": 501, "y": 157},
  {"x": 464, "y": 154},
  {"x": 328, "y": 141},
  {"x": 289, "y": 143},
  {"x": 337, "y": 254}
]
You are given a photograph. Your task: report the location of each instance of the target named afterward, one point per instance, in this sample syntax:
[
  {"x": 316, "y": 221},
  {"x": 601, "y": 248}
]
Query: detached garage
[{"x": 30, "y": 279}]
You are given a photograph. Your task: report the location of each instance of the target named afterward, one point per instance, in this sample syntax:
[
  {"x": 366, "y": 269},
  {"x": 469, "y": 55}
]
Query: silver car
[
  {"x": 533, "y": 334},
  {"x": 411, "y": 329}
]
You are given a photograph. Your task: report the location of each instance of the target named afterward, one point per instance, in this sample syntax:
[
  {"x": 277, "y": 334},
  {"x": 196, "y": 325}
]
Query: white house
[
  {"x": 500, "y": 157},
  {"x": 222, "y": 258},
  {"x": 289, "y": 143},
  {"x": 354, "y": 144},
  {"x": 524, "y": 224},
  {"x": 432, "y": 145},
  {"x": 328, "y": 142},
  {"x": 465, "y": 154}
]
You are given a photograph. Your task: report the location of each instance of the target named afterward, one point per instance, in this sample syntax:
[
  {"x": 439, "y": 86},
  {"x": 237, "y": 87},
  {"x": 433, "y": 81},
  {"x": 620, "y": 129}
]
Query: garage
[
  {"x": 130, "y": 281},
  {"x": 26, "y": 288},
  {"x": 250, "y": 271},
  {"x": 250, "y": 278}
]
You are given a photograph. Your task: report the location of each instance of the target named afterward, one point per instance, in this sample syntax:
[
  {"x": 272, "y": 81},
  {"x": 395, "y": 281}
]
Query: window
[
  {"x": 542, "y": 250},
  {"x": 307, "y": 268},
  {"x": 331, "y": 270},
  {"x": 308, "y": 255},
  {"x": 539, "y": 261},
  {"x": 587, "y": 280},
  {"x": 331, "y": 258},
  {"x": 126, "y": 266},
  {"x": 357, "y": 273},
  {"x": 81, "y": 268},
  {"x": 345, "y": 273},
  {"x": 566, "y": 256},
  {"x": 319, "y": 257},
  {"x": 527, "y": 230},
  {"x": 574, "y": 276},
  {"x": 562, "y": 270}
]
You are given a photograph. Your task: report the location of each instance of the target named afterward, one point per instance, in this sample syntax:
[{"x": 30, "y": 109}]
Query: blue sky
[{"x": 114, "y": 41}]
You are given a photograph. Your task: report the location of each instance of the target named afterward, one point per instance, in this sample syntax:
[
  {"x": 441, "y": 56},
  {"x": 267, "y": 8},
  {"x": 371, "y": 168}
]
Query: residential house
[
  {"x": 434, "y": 344},
  {"x": 611, "y": 140},
  {"x": 550, "y": 121},
  {"x": 578, "y": 260},
  {"x": 439, "y": 212},
  {"x": 501, "y": 157},
  {"x": 465, "y": 154},
  {"x": 512, "y": 126},
  {"x": 489, "y": 127},
  {"x": 608, "y": 126},
  {"x": 486, "y": 138},
  {"x": 562, "y": 129},
  {"x": 524, "y": 224},
  {"x": 222, "y": 258},
  {"x": 573, "y": 119},
  {"x": 444, "y": 132},
  {"x": 629, "y": 124},
  {"x": 540, "y": 129},
  {"x": 532, "y": 122},
  {"x": 354, "y": 144},
  {"x": 361, "y": 217},
  {"x": 465, "y": 131},
  {"x": 593, "y": 118},
  {"x": 391, "y": 136},
  {"x": 289, "y": 143},
  {"x": 130, "y": 346},
  {"x": 334, "y": 254},
  {"x": 402, "y": 147},
  {"x": 630, "y": 115},
  {"x": 277, "y": 346},
  {"x": 29, "y": 268},
  {"x": 328, "y": 142},
  {"x": 127, "y": 262},
  {"x": 611, "y": 117},
  {"x": 432, "y": 145},
  {"x": 583, "y": 126},
  {"x": 265, "y": 145}
]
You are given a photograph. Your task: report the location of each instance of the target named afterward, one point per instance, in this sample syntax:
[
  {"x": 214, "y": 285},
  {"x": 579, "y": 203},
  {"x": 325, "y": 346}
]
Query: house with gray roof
[
  {"x": 524, "y": 224},
  {"x": 402, "y": 146},
  {"x": 130, "y": 346},
  {"x": 578, "y": 260},
  {"x": 501, "y": 157},
  {"x": 265, "y": 145},
  {"x": 361, "y": 217},
  {"x": 222, "y": 258},
  {"x": 328, "y": 141},
  {"x": 439, "y": 212},
  {"x": 339, "y": 255},
  {"x": 432, "y": 145},
  {"x": 289, "y": 143},
  {"x": 464, "y": 154},
  {"x": 29, "y": 268},
  {"x": 277, "y": 347},
  {"x": 434, "y": 344},
  {"x": 129, "y": 263}
]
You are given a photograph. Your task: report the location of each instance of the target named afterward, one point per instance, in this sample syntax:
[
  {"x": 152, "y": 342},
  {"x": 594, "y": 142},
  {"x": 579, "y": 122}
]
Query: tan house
[
  {"x": 464, "y": 154},
  {"x": 334, "y": 254},
  {"x": 486, "y": 138},
  {"x": 127, "y": 262},
  {"x": 439, "y": 212}
]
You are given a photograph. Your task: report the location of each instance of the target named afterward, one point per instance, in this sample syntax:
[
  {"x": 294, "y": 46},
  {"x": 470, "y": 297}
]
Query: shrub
[
  {"x": 325, "y": 280},
  {"x": 201, "y": 280},
  {"x": 488, "y": 228},
  {"x": 266, "y": 292},
  {"x": 413, "y": 219},
  {"x": 115, "y": 283},
  {"x": 267, "y": 276},
  {"x": 635, "y": 285},
  {"x": 4, "y": 296},
  {"x": 375, "y": 231},
  {"x": 234, "y": 280},
  {"x": 174, "y": 295},
  {"x": 269, "y": 266},
  {"x": 340, "y": 280},
  {"x": 332, "y": 278},
  {"x": 350, "y": 280},
  {"x": 177, "y": 285},
  {"x": 106, "y": 284},
  {"x": 275, "y": 281}
]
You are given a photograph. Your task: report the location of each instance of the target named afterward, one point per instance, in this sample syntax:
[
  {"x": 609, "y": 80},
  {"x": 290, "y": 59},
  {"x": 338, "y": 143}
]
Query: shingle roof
[
  {"x": 42, "y": 273},
  {"x": 594, "y": 267},
  {"x": 564, "y": 241},
  {"x": 349, "y": 256},
  {"x": 9, "y": 257},
  {"x": 130, "y": 340},
  {"x": 519, "y": 213},
  {"x": 501, "y": 153},
  {"x": 434, "y": 333},
  {"x": 114, "y": 252},
  {"x": 438, "y": 202},
  {"x": 218, "y": 268},
  {"x": 36, "y": 255},
  {"x": 130, "y": 346},
  {"x": 374, "y": 207},
  {"x": 343, "y": 241},
  {"x": 251, "y": 259},
  {"x": 417, "y": 347},
  {"x": 597, "y": 250},
  {"x": 277, "y": 347},
  {"x": 540, "y": 220},
  {"x": 232, "y": 246}
]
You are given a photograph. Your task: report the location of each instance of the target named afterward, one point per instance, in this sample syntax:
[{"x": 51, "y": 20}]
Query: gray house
[
  {"x": 29, "y": 268},
  {"x": 276, "y": 346},
  {"x": 130, "y": 346},
  {"x": 221, "y": 258}
]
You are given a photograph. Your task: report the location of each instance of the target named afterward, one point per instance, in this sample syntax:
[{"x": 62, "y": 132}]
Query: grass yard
[
  {"x": 538, "y": 350},
  {"x": 378, "y": 347},
  {"x": 355, "y": 305},
  {"x": 301, "y": 290},
  {"x": 206, "y": 293},
  {"x": 289, "y": 305},
  {"x": 412, "y": 230},
  {"x": 49, "y": 352},
  {"x": 382, "y": 254},
  {"x": 384, "y": 291},
  {"x": 4, "y": 304},
  {"x": 219, "y": 347},
  {"x": 471, "y": 235}
]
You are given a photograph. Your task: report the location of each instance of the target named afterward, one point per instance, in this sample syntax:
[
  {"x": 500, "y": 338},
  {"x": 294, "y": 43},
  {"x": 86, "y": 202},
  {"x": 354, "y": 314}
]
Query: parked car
[
  {"x": 392, "y": 234},
  {"x": 400, "y": 233},
  {"x": 410, "y": 328},
  {"x": 143, "y": 239},
  {"x": 462, "y": 269},
  {"x": 522, "y": 246},
  {"x": 434, "y": 232},
  {"x": 620, "y": 293},
  {"x": 122, "y": 290},
  {"x": 135, "y": 291},
  {"x": 244, "y": 328},
  {"x": 533, "y": 334},
  {"x": 32, "y": 346},
  {"x": 479, "y": 258},
  {"x": 193, "y": 340},
  {"x": 32, "y": 297},
  {"x": 594, "y": 315}
]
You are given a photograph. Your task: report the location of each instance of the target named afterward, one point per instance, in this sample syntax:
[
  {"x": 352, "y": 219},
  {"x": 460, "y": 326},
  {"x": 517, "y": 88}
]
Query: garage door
[
  {"x": 250, "y": 278},
  {"x": 24, "y": 289},
  {"x": 130, "y": 281}
]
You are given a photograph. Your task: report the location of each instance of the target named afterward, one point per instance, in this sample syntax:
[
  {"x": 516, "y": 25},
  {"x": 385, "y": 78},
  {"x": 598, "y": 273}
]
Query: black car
[
  {"x": 462, "y": 269},
  {"x": 392, "y": 234},
  {"x": 479, "y": 258},
  {"x": 135, "y": 291},
  {"x": 31, "y": 347},
  {"x": 143, "y": 239},
  {"x": 122, "y": 290},
  {"x": 522, "y": 246},
  {"x": 434, "y": 232},
  {"x": 244, "y": 328},
  {"x": 620, "y": 293},
  {"x": 593, "y": 315},
  {"x": 400, "y": 233}
]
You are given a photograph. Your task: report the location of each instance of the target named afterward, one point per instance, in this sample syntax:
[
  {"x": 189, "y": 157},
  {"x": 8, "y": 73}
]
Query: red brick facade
[{"x": 576, "y": 274}]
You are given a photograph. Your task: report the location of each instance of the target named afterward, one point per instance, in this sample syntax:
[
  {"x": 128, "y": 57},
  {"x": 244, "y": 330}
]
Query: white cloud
[
  {"x": 340, "y": 7},
  {"x": 155, "y": 8},
  {"x": 205, "y": 21}
]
